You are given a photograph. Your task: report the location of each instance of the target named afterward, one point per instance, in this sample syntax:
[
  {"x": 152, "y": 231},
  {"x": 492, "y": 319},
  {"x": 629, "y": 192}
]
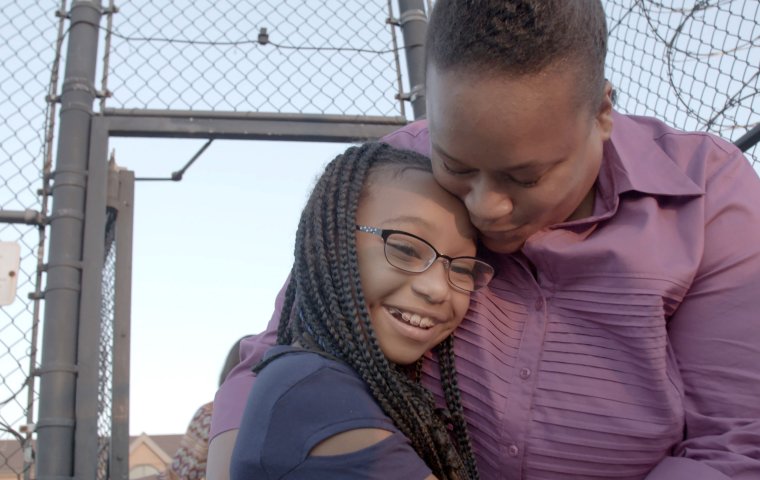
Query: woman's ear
[{"x": 604, "y": 112}]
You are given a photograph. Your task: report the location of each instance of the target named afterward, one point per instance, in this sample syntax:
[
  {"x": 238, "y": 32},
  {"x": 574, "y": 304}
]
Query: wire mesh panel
[
  {"x": 28, "y": 37},
  {"x": 284, "y": 56},
  {"x": 105, "y": 368},
  {"x": 695, "y": 64}
]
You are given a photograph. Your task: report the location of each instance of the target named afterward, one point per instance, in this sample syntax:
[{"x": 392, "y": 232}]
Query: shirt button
[
  {"x": 539, "y": 303},
  {"x": 513, "y": 450},
  {"x": 525, "y": 373}
]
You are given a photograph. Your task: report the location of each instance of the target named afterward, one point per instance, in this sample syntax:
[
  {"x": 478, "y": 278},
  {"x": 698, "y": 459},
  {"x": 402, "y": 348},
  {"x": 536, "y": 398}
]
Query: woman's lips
[{"x": 499, "y": 234}]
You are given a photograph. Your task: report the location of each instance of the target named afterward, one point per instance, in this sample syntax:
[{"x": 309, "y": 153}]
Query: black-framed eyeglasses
[{"x": 413, "y": 254}]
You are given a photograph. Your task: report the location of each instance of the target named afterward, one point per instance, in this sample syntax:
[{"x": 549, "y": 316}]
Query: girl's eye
[{"x": 403, "y": 249}]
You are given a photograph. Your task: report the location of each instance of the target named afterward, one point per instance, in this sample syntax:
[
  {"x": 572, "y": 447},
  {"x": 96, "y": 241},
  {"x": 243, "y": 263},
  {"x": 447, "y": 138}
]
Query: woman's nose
[{"x": 487, "y": 204}]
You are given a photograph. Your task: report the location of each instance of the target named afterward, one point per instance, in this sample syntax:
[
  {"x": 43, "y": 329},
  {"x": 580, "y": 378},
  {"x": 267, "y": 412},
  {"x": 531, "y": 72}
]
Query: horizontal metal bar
[
  {"x": 248, "y": 125},
  {"x": 749, "y": 139},
  {"x": 28, "y": 217}
]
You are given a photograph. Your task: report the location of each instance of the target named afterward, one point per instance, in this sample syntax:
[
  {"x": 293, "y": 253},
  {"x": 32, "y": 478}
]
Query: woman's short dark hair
[{"x": 520, "y": 37}]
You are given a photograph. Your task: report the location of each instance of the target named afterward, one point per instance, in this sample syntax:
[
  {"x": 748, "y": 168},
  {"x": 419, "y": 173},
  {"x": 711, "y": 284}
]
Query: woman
[{"x": 384, "y": 266}]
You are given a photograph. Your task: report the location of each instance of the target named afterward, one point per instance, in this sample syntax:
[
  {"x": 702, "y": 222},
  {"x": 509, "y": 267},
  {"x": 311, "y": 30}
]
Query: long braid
[
  {"x": 452, "y": 394},
  {"x": 325, "y": 308}
]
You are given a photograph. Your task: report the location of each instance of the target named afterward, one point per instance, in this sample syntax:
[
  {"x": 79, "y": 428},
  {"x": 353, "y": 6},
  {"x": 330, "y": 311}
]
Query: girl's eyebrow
[
  {"x": 409, "y": 220},
  {"x": 418, "y": 221}
]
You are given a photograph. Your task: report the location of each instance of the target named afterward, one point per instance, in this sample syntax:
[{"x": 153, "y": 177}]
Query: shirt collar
[{"x": 634, "y": 161}]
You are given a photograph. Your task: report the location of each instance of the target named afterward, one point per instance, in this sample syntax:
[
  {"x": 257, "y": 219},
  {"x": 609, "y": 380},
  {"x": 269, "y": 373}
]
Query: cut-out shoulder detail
[
  {"x": 299, "y": 401},
  {"x": 349, "y": 441}
]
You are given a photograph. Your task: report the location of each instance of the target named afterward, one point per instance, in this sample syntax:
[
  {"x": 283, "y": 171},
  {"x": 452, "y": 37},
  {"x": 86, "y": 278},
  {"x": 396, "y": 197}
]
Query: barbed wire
[
  {"x": 710, "y": 62},
  {"x": 672, "y": 49}
]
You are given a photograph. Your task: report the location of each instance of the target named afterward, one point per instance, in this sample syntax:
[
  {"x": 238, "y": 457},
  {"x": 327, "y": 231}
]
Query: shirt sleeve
[
  {"x": 292, "y": 410},
  {"x": 715, "y": 334},
  {"x": 393, "y": 457}
]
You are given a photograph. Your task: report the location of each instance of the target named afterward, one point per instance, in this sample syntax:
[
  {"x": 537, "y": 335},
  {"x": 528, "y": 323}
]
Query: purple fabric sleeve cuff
[{"x": 681, "y": 468}]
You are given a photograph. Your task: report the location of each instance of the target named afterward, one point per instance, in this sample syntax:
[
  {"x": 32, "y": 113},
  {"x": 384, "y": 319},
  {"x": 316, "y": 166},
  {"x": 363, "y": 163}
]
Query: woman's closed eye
[
  {"x": 524, "y": 182},
  {"x": 452, "y": 170}
]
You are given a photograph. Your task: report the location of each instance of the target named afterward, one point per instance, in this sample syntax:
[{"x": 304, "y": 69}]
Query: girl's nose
[{"x": 433, "y": 283}]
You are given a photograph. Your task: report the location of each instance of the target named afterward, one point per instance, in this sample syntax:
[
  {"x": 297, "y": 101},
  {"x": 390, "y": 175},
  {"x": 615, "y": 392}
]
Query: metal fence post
[
  {"x": 56, "y": 425},
  {"x": 413, "y": 22},
  {"x": 124, "y": 204},
  {"x": 87, "y": 440},
  {"x": 749, "y": 139}
]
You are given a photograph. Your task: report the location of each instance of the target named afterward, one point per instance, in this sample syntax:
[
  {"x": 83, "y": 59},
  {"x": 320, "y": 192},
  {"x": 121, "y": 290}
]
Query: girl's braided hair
[{"x": 325, "y": 309}]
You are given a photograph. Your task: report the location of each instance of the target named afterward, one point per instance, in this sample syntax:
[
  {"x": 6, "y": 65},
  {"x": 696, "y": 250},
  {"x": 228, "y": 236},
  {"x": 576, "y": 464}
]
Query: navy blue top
[{"x": 303, "y": 398}]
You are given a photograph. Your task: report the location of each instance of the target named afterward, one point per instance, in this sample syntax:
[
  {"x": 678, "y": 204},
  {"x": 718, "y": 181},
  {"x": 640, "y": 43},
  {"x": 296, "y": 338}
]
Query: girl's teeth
[{"x": 416, "y": 320}]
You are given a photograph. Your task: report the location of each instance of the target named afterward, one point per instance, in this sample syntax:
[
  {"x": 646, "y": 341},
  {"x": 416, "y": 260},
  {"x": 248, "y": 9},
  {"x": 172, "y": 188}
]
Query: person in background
[
  {"x": 620, "y": 337},
  {"x": 189, "y": 462},
  {"x": 383, "y": 270}
]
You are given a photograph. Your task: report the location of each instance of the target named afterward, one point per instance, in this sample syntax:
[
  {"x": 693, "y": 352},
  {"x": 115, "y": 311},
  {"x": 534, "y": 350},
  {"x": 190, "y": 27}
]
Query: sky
[{"x": 210, "y": 254}]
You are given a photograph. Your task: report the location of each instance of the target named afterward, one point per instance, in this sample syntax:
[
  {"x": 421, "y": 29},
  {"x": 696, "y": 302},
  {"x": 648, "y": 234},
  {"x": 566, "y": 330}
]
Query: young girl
[{"x": 384, "y": 266}]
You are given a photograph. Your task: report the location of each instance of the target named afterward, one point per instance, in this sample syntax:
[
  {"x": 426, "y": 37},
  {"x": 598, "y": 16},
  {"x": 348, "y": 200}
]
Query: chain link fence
[
  {"x": 106, "y": 343},
  {"x": 285, "y": 56},
  {"x": 695, "y": 64},
  {"x": 29, "y": 35}
]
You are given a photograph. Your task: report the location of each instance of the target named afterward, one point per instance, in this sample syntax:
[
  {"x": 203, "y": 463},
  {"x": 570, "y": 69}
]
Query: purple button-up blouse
[{"x": 634, "y": 352}]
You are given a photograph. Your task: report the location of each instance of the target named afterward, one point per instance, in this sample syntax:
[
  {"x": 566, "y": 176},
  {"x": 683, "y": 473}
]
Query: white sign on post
[{"x": 10, "y": 257}]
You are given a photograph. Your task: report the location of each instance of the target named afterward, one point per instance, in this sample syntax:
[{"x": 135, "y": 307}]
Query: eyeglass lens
[{"x": 413, "y": 255}]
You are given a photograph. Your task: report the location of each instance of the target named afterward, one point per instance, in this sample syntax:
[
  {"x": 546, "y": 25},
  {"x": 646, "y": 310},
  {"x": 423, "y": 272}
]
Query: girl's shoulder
[
  {"x": 313, "y": 390},
  {"x": 304, "y": 399},
  {"x": 285, "y": 365}
]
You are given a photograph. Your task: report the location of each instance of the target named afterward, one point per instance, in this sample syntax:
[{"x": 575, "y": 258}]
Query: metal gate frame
[{"x": 87, "y": 188}]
